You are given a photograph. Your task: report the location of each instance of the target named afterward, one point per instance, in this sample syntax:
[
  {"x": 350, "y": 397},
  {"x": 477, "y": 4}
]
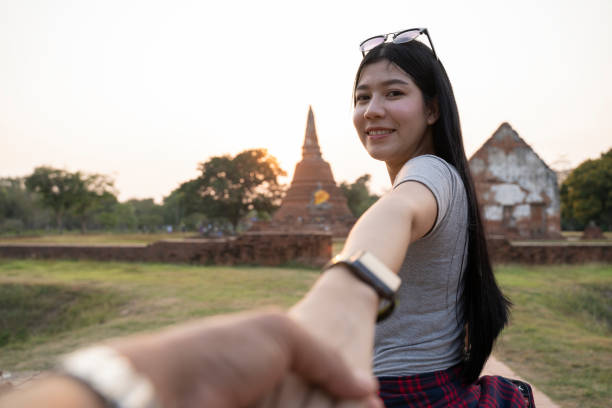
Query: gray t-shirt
[{"x": 425, "y": 332}]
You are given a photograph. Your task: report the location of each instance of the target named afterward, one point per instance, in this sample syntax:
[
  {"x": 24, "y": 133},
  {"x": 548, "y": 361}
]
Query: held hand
[
  {"x": 345, "y": 323},
  {"x": 233, "y": 361}
]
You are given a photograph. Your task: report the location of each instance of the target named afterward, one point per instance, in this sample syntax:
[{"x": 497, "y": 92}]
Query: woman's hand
[
  {"x": 349, "y": 332},
  {"x": 340, "y": 309}
]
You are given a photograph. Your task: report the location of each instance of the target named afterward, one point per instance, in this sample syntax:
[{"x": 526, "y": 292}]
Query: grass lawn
[
  {"x": 49, "y": 307},
  {"x": 560, "y": 336},
  {"x": 72, "y": 237}
]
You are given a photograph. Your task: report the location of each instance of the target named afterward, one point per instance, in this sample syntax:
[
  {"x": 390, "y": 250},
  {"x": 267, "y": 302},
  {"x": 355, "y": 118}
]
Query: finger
[
  {"x": 319, "y": 399},
  {"x": 369, "y": 402},
  {"x": 322, "y": 365},
  {"x": 293, "y": 392},
  {"x": 268, "y": 401}
]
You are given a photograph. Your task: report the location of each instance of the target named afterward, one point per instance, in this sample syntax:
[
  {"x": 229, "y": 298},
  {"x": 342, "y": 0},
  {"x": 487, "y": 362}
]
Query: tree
[
  {"x": 91, "y": 192},
  {"x": 182, "y": 202},
  {"x": 231, "y": 187},
  {"x": 19, "y": 208},
  {"x": 62, "y": 191},
  {"x": 358, "y": 195},
  {"x": 586, "y": 194},
  {"x": 149, "y": 216}
]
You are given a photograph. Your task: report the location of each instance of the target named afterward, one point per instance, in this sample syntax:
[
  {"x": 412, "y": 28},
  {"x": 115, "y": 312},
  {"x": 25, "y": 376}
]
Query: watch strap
[
  {"x": 110, "y": 376},
  {"x": 369, "y": 269}
]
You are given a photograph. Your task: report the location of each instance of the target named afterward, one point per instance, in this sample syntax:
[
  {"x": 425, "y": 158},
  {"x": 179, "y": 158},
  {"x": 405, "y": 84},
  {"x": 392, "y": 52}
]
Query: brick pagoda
[{"x": 313, "y": 202}]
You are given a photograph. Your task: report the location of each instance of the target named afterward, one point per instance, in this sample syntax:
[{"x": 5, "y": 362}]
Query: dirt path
[{"x": 496, "y": 367}]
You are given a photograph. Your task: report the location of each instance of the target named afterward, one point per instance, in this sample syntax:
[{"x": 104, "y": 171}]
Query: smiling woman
[
  {"x": 428, "y": 230},
  {"x": 391, "y": 117}
]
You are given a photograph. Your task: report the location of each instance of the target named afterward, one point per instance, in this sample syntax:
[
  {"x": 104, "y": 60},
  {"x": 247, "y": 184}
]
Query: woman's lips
[{"x": 377, "y": 134}]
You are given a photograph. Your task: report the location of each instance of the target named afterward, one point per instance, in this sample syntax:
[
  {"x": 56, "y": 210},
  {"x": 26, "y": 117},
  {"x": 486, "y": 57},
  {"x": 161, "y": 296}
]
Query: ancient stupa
[{"x": 313, "y": 202}]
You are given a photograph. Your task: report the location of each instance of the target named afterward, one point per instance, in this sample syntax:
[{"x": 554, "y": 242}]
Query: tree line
[
  {"x": 228, "y": 193},
  {"x": 586, "y": 195}
]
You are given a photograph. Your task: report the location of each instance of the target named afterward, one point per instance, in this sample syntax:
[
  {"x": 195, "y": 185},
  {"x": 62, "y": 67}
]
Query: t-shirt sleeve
[{"x": 435, "y": 174}]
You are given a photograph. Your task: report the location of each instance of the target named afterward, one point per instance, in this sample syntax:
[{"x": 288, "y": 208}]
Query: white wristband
[{"x": 111, "y": 376}]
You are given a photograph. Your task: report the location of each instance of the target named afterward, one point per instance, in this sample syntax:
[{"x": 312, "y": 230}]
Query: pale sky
[{"x": 143, "y": 90}]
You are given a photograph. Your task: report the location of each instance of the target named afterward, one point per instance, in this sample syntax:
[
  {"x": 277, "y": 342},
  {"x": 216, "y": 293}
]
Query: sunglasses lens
[
  {"x": 370, "y": 43},
  {"x": 406, "y": 36}
]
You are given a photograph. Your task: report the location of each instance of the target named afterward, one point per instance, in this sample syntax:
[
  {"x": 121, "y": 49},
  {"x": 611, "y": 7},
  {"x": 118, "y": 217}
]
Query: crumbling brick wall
[
  {"x": 517, "y": 191},
  {"x": 503, "y": 251},
  {"x": 250, "y": 248}
]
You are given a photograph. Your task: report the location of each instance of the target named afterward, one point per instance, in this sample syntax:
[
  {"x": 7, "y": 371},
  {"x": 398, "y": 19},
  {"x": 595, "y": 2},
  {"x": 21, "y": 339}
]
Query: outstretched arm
[
  {"x": 227, "y": 361},
  {"x": 340, "y": 309}
]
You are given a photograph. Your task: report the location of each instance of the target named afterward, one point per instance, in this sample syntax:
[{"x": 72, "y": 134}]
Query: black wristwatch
[{"x": 372, "y": 271}]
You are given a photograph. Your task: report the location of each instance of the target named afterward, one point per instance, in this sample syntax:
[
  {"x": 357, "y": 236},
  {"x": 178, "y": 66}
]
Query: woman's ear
[{"x": 433, "y": 111}]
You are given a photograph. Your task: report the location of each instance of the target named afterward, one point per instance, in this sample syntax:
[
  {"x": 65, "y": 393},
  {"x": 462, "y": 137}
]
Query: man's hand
[{"x": 233, "y": 361}]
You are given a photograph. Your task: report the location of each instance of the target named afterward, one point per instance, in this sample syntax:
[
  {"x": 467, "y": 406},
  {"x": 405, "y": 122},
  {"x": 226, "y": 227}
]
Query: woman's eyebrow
[{"x": 388, "y": 82}]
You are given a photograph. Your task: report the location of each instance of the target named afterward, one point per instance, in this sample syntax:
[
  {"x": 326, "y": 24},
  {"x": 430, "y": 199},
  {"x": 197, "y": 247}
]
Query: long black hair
[{"x": 485, "y": 308}]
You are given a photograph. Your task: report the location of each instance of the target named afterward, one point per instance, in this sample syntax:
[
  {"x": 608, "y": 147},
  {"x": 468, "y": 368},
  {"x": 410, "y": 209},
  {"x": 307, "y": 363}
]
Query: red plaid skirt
[{"x": 445, "y": 389}]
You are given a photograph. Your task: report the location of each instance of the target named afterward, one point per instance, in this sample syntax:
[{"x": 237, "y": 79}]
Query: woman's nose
[{"x": 375, "y": 109}]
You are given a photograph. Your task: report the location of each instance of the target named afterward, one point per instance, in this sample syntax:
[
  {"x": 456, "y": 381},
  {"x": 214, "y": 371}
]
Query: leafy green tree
[
  {"x": 55, "y": 188},
  {"x": 586, "y": 194},
  {"x": 63, "y": 191},
  {"x": 358, "y": 195},
  {"x": 148, "y": 214},
  {"x": 19, "y": 208},
  {"x": 182, "y": 202},
  {"x": 229, "y": 188},
  {"x": 109, "y": 214},
  {"x": 91, "y": 193},
  {"x": 172, "y": 209}
]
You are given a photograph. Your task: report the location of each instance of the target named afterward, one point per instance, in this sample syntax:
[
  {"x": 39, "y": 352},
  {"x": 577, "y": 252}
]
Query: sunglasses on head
[{"x": 399, "y": 37}]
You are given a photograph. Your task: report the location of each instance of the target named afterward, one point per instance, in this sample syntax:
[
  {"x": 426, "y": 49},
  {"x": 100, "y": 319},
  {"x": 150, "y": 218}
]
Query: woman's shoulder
[{"x": 426, "y": 166}]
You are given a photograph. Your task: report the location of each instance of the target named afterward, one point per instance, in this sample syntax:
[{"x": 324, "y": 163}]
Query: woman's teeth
[{"x": 379, "y": 132}]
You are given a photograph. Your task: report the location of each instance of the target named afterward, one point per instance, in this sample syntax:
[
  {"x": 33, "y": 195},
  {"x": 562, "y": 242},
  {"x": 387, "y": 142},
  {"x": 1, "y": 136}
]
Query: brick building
[
  {"x": 517, "y": 191},
  {"x": 313, "y": 202}
]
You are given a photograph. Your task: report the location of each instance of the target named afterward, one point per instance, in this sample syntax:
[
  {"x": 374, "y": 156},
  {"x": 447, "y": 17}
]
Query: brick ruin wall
[
  {"x": 270, "y": 249},
  {"x": 516, "y": 189},
  {"x": 275, "y": 249},
  {"x": 503, "y": 251}
]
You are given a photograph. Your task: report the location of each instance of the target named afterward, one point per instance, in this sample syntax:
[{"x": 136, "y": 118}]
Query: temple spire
[
  {"x": 311, "y": 149},
  {"x": 313, "y": 202}
]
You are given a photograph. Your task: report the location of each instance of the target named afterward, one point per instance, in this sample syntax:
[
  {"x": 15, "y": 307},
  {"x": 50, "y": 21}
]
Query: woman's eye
[
  {"x": 359, "y": 98},
  {"x": 395, "y": 93}
]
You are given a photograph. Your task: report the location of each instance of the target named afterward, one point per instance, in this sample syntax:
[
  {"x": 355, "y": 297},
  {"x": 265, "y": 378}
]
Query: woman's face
[{"x": 390, "y": 115}]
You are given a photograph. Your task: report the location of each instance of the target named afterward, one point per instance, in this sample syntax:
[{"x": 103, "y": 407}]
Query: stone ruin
[
  {"x": 592, "y": 231},
  {"x": 518, "y": 193},
  {"x": 314, "y": 203}
]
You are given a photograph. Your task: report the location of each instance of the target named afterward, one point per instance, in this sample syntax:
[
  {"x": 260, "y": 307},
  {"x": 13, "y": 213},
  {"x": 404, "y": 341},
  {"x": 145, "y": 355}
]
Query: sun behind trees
[
  {"x": 229, "y": 188},
  {"x": 229, "y": 192}
]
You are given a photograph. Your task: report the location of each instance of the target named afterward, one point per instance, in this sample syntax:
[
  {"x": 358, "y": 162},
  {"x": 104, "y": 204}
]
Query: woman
[{"x": 428, "y": 230}]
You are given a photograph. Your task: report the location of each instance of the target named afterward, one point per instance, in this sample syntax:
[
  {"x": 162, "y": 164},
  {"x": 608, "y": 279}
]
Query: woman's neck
[{"x": 425, "y": 147}]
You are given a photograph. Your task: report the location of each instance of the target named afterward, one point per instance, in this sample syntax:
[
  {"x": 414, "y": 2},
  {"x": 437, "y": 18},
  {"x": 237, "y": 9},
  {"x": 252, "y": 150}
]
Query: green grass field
[
  {"x": 559, "y": 339},
  {"x": 73, "y": 237}
]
